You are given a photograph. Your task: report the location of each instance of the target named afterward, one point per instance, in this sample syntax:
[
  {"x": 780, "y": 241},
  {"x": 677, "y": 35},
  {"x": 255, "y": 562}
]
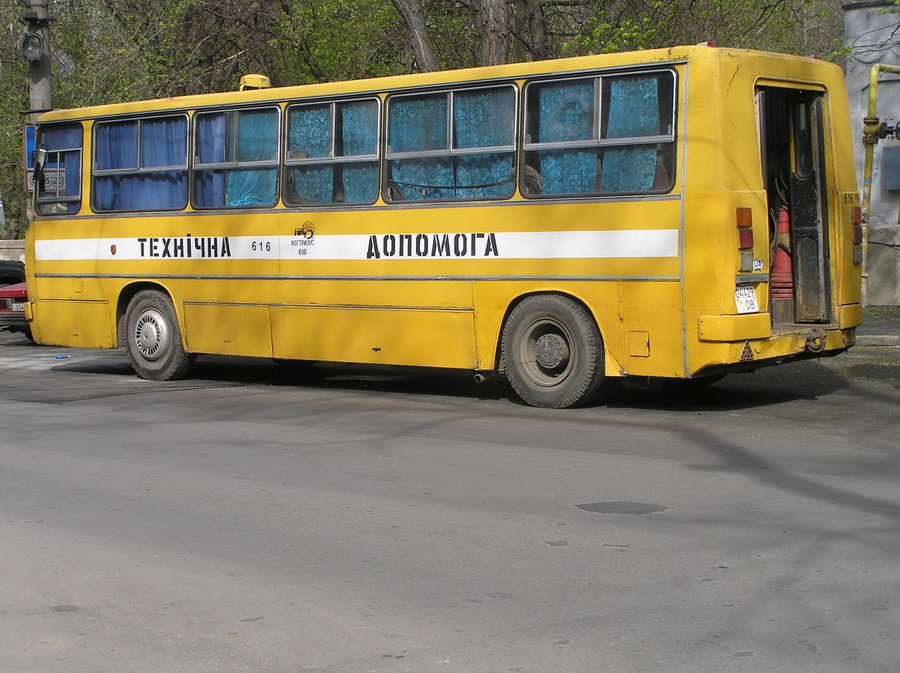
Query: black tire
[
  {"x": 153, "y": 338},
  {"x": 553, "y": 352}
]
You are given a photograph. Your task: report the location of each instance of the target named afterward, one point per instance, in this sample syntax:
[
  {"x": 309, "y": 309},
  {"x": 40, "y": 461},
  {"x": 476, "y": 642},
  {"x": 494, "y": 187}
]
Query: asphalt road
[{"x": 400, "y": 521}]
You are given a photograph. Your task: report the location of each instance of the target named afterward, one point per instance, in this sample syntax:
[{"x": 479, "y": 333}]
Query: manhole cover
[{"x": 622, "y": 508}]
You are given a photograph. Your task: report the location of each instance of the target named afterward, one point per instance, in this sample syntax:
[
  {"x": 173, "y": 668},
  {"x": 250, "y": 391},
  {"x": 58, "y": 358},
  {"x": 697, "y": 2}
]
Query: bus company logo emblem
[
  {"x": 307, "y": 231},
  {"x": 304, "y": 238},
  {"x": 747, "y": 353}
]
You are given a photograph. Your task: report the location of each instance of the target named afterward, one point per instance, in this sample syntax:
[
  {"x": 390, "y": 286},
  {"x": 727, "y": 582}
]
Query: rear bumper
[{"x": 750, "y": 326}]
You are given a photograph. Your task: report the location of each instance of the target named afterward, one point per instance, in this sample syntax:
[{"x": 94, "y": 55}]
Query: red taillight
[
  {"x": 744, "y": 221},
  {"x": 857, "y": 235}
]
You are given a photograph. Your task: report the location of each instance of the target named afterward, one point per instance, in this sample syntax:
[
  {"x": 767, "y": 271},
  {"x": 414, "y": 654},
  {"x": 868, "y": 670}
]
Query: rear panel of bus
[{"x": 772, "y": 221}]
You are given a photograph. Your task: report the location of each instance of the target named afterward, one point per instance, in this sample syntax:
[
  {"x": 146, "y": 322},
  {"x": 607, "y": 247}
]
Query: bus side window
[
  {"x": 140, "y": 164},
  {"x": 452, "y": 145},
  {"x": 236, "y": 158},
  {"x": 332, "y": 153},
  {"x": 600, "y": 135},
  {"x": 631, "y": 110},
  {"x": 59, "y": 192},
  {"x": 561, "y": 119}
]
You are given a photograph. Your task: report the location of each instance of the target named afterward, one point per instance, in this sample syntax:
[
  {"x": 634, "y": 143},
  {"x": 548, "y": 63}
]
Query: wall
[
  {"x": 12, "y": 250},
  {"x": 871, "y": 33}
]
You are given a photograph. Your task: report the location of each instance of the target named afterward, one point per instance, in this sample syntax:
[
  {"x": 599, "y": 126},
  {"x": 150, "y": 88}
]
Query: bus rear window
[{"x": 600, "y": 135}]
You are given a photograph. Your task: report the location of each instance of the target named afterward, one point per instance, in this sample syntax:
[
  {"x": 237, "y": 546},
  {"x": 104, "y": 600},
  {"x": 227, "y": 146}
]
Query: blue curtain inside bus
[
  {"x": 418, "y": 123},
  {"x": 633, "y": 112},
  {"x": 116, "y": 146},
  {"x": 63, "y": 145},
  {"x": 163, "y": 144},
  {"x": 481, "y": 118},
  {"x": 484, "y": 118},
  {"x": 257, "y": 141},
  {"x": 209, "y": 186},
  {"x": 359, "y": 128},
  {"x": 566, "y": 114}
]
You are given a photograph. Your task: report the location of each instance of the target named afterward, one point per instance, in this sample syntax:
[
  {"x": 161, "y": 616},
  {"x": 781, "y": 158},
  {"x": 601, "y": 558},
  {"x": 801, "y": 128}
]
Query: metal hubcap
[
  {"x": 551, "y": 351},
  {"x": 151, "y": 334}
]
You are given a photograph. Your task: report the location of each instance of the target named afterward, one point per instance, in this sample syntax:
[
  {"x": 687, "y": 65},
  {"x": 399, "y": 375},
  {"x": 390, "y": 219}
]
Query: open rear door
[{"x": 792, "y": 135}]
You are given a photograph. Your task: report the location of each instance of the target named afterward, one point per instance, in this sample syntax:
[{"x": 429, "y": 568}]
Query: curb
[{"x": 877, "y": 340}]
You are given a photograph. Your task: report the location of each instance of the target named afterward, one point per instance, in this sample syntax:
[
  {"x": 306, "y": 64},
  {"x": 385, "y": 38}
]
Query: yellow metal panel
[
  {"x": 639, "y": 344},
  {"x": 228, "y": 329},
  {"x": 416, "y": 337},
  {"x": 83, "y": 324}
]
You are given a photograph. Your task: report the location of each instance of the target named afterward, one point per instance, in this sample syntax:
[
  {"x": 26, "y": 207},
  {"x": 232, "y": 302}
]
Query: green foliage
[
  {"x": 118, "y": 50},
  {"x": 806, "y": 27}
]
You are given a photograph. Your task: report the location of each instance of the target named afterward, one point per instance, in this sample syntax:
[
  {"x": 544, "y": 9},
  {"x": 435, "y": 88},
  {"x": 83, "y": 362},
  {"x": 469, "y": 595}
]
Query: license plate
[
  {"x": 18, "y": 307},
  {"x": 745, "y": 299}
]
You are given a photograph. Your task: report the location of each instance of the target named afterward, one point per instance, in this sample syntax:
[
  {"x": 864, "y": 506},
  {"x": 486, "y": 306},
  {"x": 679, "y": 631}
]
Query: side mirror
[{"x": 39, "y": 156}]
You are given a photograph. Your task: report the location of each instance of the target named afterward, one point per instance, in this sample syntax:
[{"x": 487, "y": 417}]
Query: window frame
[
  {"x": 597, "y": 142},
  {"x": 449, "y": 151},
  {"x": 140, "y": 169},
  {"x": 332, "y": 159},
  {"x": 232, "y": 150},
  {"x": 47, "y": 199}
]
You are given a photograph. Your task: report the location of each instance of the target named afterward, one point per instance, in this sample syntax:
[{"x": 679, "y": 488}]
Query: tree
[
  {"x": 413, "y": 13},
  {"x": 494, "y": 32}
]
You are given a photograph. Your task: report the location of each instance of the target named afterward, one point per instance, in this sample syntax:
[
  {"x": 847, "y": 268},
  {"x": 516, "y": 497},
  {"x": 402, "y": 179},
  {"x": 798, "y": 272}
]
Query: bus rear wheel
[
  {"x": 553, "y": 352},
  {"x": 153, "y": 338}
]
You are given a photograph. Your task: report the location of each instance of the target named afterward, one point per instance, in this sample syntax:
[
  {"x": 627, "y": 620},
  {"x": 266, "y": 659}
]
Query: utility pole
[{"x": 34, "y": 47}]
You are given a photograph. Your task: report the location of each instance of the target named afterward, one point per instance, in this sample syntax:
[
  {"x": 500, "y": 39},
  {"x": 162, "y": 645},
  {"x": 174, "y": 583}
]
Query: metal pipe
[{"x": 873, "y": 131}]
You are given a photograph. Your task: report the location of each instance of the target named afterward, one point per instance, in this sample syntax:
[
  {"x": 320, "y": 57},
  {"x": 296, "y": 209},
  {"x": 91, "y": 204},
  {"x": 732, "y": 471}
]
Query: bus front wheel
[
  {"x": 553, "y": 352},
  {"x": 153, "y": 338}
]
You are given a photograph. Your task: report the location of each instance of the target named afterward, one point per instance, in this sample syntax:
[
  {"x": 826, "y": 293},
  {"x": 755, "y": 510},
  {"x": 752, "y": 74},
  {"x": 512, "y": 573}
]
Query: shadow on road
[{"x": 738, "y": 391}]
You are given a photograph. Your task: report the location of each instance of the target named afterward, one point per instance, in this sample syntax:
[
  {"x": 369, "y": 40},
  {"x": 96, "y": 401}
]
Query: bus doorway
[{"x": 792, "y": 136}]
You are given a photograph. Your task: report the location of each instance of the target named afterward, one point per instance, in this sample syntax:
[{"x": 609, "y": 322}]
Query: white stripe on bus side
[{"x": 645, "y": 243}]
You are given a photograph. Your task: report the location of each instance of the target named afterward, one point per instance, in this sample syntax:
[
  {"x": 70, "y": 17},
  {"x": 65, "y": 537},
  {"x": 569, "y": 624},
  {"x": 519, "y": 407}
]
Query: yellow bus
[{"x": 676, "y": 214}]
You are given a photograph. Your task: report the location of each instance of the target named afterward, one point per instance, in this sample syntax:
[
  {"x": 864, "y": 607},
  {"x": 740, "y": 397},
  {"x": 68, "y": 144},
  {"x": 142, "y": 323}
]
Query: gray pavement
[{"x": 388, "y": 521}]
